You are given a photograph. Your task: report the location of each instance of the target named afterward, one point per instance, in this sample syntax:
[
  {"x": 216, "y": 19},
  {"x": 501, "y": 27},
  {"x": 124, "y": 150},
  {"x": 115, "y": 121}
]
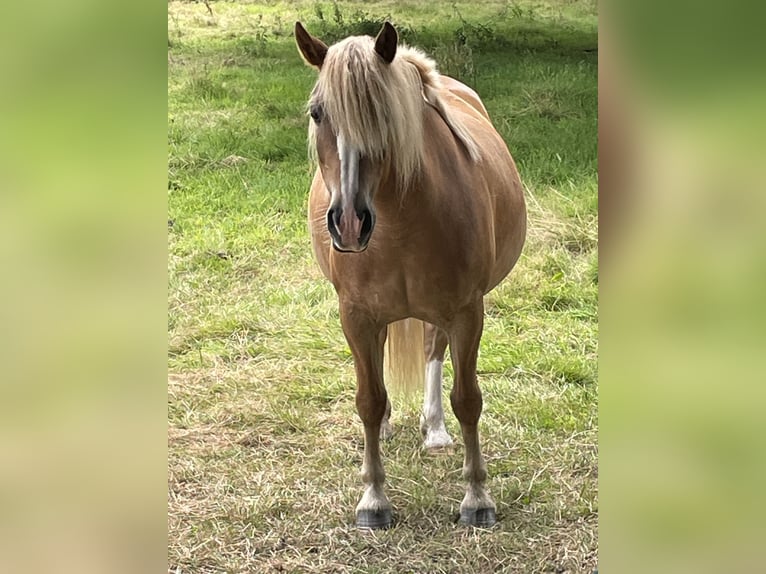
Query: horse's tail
[{"x": 404, "y": 357}]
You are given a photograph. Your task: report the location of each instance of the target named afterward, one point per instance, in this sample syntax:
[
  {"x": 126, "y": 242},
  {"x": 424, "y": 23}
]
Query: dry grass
[{"x": 259, "y": 482}]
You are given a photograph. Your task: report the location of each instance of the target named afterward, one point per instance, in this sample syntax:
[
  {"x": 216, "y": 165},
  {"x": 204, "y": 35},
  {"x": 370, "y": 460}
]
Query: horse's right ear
[{"x": 312, "y": 49}]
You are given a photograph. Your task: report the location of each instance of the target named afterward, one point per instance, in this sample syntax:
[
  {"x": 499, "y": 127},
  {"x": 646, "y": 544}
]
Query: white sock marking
[{"x": 432, "y": 423}]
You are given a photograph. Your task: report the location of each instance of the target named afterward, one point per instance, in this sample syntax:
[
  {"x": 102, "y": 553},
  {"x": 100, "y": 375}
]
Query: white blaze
[{"x": 349, "y": 173}]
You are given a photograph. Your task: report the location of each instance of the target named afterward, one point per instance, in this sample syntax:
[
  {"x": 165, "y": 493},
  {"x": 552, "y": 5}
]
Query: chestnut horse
[{"x": 416, "y": 211}]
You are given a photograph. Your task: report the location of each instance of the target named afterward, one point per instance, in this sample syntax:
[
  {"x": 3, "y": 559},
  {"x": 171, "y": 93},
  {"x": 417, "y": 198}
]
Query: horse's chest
[{"x": 405, "y": 286}]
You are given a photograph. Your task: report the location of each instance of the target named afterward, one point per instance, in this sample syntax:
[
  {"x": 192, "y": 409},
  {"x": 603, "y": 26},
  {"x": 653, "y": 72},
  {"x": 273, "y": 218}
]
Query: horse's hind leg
[
  {"x": 363, "y": 336},
  {"x": 477, "y": 507},
  {"x": 386, "y": 428},
  {"x": 435, "y": 434}
]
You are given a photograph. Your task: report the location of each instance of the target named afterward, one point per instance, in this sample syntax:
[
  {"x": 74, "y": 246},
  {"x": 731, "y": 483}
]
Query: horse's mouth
[{"x": 339, "y": 249}]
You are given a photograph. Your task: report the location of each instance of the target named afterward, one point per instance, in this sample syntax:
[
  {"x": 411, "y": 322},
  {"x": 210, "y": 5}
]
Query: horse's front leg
[
  {"x": 364, "y": 337},
  {"x": 477, "y": 508}
]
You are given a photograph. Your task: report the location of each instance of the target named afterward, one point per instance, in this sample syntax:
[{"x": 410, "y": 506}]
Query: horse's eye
[{"x": 316, "y": 113}]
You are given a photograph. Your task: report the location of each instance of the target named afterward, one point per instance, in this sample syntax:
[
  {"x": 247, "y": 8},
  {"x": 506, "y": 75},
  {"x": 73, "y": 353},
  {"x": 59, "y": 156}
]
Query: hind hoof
[
  {"x": 374, "y": 519},
  {"x": 437, "y": 440},
  {"x": 479, "y": 517}
]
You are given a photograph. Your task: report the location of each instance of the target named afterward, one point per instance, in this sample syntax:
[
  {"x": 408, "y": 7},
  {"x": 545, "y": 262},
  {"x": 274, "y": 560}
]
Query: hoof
[
  {"x": 437, "y": 439},
  {"x": 439, "y": 450},
  {"x": 480, "y": 517},
  {"x": 374, "y": 519}
]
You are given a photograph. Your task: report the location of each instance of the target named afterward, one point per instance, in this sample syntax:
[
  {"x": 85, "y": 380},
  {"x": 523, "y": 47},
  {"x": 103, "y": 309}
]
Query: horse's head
[{"x": 349, "y": 130}]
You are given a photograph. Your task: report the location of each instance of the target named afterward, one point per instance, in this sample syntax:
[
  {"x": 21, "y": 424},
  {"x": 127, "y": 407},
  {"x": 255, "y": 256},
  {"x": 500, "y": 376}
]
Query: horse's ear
[
  {"x": 385, "y": 42},
  {"x": 312, "y": 49}
]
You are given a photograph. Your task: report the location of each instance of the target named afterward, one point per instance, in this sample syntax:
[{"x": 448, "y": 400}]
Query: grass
[{"x": 264, "y": 442}]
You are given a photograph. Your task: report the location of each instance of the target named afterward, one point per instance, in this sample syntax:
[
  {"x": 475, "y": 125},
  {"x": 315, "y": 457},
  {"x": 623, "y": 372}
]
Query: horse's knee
[
  {"x": 466, "y": 404},
  {"x": 371, "y": 405}
]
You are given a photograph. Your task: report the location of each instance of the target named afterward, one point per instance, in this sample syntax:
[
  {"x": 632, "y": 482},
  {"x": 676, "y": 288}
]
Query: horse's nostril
[
  {"x": 367, "y": 223},
  {"x": 333, "y": 216},
  {"x": 333, "y": 222}
]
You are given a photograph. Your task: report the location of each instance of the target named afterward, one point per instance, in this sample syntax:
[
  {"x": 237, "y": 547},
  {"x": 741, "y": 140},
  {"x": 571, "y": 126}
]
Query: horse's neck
[
  {"x": 443, "y": 152},
  {"x": 390, "y": 197}
]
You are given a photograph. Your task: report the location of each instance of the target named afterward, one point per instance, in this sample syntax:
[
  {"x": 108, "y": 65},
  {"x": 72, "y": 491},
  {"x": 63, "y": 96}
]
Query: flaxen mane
[{"x": 378, "y": 107}]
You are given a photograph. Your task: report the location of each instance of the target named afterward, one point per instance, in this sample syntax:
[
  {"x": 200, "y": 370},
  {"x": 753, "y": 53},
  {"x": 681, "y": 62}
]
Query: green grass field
[{"x": 264, "y": 443}]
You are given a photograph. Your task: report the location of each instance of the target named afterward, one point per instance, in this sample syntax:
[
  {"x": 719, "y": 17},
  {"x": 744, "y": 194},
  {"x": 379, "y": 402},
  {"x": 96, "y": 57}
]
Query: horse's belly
[{"x": 510, "y": 227}]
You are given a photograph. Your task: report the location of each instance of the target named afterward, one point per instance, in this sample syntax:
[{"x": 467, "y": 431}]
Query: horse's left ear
[{"x": 385, "y": 42}]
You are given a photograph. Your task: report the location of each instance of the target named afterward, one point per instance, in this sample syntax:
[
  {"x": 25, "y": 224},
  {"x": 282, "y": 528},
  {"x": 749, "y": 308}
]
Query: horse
[{"x": 416, "y": 211}]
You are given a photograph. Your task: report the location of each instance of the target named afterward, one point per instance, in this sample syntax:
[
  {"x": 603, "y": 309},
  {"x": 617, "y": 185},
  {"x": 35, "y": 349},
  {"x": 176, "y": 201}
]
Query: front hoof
[
  {"x": 479, "y": 517},
  {"x": 374, "y": 519}
]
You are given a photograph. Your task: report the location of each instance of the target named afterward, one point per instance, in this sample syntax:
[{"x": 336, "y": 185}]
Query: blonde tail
[{"x": 404, "y": 358}]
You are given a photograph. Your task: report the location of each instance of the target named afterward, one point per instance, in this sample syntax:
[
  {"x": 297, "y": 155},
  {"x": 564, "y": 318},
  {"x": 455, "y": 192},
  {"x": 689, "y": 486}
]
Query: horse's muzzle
[{"x": 350, "y": 229}]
